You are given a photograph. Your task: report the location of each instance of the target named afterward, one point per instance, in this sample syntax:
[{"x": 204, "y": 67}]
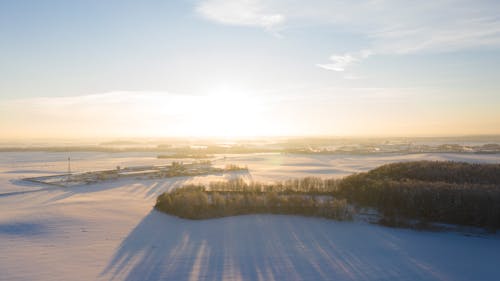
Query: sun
[{"x": 227, "y": 112}]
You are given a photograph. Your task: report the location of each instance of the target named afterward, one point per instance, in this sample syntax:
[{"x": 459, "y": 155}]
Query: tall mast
[{"x": 69, "y": 165}]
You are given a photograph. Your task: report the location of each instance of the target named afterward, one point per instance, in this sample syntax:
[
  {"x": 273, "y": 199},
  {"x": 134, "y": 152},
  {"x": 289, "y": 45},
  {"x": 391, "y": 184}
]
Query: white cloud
[
  {"x": 390, "y": 26},
  {"x": 467, "y": 33},
  {"x": 242, "y": 12},
  {"x": 341, "y": 62}
]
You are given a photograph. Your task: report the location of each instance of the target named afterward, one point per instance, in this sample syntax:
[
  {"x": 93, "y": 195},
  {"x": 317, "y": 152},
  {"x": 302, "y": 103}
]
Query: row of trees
[
  {"x": 197, "y": 155},
  {"x": 309, "y": 185},
  {"x": 234, "y": 167},
  {"x": 194, "y": 202}
]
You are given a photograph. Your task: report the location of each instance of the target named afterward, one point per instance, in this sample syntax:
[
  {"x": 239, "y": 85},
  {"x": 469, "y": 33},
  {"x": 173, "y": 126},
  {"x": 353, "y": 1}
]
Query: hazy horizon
[{"x": 258, "y": 141}]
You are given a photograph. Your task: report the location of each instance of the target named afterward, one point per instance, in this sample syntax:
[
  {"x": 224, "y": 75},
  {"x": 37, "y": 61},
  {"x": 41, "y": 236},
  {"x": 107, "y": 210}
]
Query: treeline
[
  {"x": 164, "y": 149},
  {"x": 234, "y": 167},
  {"x": 435, "y": 171},
  {"x": 196, "y": 202},
  {"x": 422, "y": 191},
  {"x": 448, "y": 192},
  {"x": 308, "y": 185},
  {"x": 184, "y": 155}
]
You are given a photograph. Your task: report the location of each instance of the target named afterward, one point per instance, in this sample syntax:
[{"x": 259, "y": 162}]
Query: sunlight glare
[{"x": 225, "y": 112}]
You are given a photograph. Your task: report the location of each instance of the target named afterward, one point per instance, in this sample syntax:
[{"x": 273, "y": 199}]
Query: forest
[
  {"x": 423, "y": 191},
  {"x": 429, "y": 191}
]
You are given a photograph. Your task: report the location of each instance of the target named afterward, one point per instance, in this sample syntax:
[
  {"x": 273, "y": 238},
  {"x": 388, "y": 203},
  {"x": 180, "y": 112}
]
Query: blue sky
[{"x": 307, "y": 67}]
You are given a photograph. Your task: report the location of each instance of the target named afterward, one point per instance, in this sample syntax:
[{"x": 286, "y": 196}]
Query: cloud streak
[
  {"x": 245, "y": 12},
  {"x": 341, "y": 62},
  {"x": 390, "y": 26}
]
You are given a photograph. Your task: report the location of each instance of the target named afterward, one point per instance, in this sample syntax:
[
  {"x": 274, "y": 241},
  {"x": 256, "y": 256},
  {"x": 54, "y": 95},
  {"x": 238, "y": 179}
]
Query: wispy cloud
[
  {"x": 389, "y": 26},
  {"x": 242, "y": 12},
  {"x": 341, "y": 62}
]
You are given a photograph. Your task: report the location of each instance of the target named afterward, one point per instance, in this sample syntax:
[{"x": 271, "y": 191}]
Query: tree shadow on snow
[
  {"x": 143, "y": 188},
  {"x": 147, "y": 188},
  {"x": 263, "y": 247}
]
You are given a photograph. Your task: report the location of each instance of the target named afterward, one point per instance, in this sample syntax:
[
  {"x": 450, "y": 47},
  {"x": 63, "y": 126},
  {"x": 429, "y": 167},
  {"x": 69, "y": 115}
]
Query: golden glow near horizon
[
  {"x": 220, "y": 112},
  {"x": 228, "y": 112}
]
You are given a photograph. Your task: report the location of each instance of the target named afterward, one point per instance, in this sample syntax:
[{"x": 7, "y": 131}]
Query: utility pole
[
  {"x": 68, "y": 177},
  {"x": 69, "y": 165}
]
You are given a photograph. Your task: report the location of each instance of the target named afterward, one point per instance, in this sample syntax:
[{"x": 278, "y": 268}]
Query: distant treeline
[
  {"x": 425, "y": 191},
  {"x": 90, "y": 148},
  {"x": 180, "y": 151},
  {"x": 368, "y": 149},
  {"x": 184, "y": 155},
  {"x": 169, "y": 151}
]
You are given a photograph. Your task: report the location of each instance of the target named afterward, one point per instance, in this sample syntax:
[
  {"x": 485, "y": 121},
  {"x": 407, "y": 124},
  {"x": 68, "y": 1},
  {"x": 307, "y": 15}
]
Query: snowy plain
[{"x": 109, "y": 231}]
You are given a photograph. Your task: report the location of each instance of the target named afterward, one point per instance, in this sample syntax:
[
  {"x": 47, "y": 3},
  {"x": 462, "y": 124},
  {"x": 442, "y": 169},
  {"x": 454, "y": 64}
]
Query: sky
[{"x": 91, "y": 68}]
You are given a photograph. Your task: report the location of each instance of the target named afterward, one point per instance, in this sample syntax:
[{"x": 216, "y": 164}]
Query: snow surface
[{"x": 109, "y": 231}]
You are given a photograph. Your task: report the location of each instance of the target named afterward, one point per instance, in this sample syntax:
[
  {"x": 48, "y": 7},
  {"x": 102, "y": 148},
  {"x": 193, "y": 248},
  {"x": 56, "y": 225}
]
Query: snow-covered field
[{"x": 109, "y": 231}]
